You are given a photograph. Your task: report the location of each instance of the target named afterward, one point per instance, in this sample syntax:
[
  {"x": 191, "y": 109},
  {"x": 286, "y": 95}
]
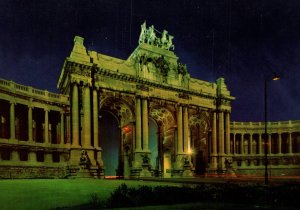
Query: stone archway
[
  {"x": 200, "y": 130},
  {"x": 166, "y": 138},
  {"x": 110, "y": 143},
  {"x": 117, "y": 146}
]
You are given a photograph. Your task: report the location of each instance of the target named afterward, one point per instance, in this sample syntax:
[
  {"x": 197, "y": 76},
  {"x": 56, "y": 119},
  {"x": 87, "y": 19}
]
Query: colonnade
[
  {"x": 141, "y": 125},
  {"x": 182, "y": 130},
  {"x": 86, "y": 139},
  {"x": 256, "y": 146},
  {"x": 28, "y": 126},
  {"x": 220, "y": 138},
  {"x": 31, "y": 125}
]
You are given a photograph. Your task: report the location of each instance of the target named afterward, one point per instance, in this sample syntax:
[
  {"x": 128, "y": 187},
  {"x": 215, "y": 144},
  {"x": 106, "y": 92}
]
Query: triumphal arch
[
  {"x": 140, "y": 117},
  {"x": 168, "y": 123}
]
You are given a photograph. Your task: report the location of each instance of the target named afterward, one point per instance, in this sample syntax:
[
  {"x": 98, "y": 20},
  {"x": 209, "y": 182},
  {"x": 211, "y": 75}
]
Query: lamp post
[{"x": 275, "y": 78}]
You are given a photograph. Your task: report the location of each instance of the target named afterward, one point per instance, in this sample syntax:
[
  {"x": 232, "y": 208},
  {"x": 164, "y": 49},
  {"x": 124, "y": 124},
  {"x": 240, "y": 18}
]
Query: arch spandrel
[
  {"x": 165, "y": 119},
  {"x": 200, "y": 125},
  {"x": 120, "y": 107}
]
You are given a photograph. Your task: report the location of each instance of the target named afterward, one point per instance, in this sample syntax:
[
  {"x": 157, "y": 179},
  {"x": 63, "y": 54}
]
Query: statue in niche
[
  {"x": 85, "y": 162},
  {"x": 186, "y": 161},
  {"x": 145, "y": 159}
]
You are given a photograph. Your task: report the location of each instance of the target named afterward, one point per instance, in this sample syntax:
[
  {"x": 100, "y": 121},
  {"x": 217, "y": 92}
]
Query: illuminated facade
[
  {"x": 247, "y": 147},
  {"x": 167, "y": 123}
]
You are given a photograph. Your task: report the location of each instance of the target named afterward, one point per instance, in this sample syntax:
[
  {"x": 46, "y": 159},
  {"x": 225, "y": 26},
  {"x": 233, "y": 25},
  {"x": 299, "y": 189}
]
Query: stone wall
[{"x": 19, "y": 172}]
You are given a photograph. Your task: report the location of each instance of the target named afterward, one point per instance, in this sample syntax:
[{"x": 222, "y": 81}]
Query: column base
[
  {"x": 182, "y": 167},
  {"x": 141, "y": 166}
]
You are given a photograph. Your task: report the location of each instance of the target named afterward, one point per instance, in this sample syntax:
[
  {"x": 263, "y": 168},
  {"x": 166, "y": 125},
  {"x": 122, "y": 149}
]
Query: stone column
[
  {"x": 214, "y": 141},
  {"x": 270, "y": 143},
  {"x": 145, "y": 124},
  {"x": 251, "y": 144},
  {"x": 30, "y": 139},
  {"x": 260, "y": 144},
  {"x": 227, "y": 128},
  {"x": 221, "y": 133},
  {"x": 96, "y": 122},
  {"x": 185, "y": 129},
  {"x": 233, "y": 148},
  {"x": 46, "y": 128},
  {"x": 86, "y": 118},
  {"x": 12, "y": 121},
  {"x": 242, "y": 144},
  {"x": 179, "y": 130},
  {"x": 62, "y": 129},
  {"x": 75, "y": 116},
  {"x": 279, "y": 143},
  {"x": 138, "y": 124},
  {"x": 290, "y": 143}
]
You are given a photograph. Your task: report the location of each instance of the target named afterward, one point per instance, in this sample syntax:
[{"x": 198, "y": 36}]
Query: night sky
[{"x": 240, "y": 40}]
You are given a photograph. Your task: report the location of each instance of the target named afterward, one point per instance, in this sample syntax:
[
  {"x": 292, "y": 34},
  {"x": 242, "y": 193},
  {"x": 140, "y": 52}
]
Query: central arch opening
[
  {"x": 153, "y": 143},
  {"x": 109, "y": 133}
]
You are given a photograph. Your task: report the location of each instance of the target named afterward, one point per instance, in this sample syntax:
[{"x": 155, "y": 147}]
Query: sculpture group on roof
[{"x": 148, "y": 36}]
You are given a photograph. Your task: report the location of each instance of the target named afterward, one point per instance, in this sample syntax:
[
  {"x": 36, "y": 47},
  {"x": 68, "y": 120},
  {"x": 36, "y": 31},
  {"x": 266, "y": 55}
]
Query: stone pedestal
[
  {"x": 187, "y": 171},
  {"x": 182, "y": 167},
  {"x": 83, "y": 173},
  {"x": 230, "y": 172},
  {"x": 145, "y": 172}
]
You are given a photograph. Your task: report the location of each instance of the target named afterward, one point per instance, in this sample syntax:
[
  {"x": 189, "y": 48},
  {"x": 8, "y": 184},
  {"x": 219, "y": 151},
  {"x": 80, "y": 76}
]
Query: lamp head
[{"x": 275, "y": 77}]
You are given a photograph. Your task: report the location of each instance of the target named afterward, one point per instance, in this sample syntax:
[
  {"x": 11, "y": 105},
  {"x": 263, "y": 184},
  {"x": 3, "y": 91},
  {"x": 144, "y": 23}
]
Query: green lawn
[{"x": 51, "y": 193}]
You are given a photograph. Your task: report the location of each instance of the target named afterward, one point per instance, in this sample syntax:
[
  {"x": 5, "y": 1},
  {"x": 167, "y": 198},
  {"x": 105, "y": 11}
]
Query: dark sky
[{"x": 240, "y": 40}]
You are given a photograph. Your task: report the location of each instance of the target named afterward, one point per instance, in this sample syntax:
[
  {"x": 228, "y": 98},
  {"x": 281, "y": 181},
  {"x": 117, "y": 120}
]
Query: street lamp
[{"x": 275, "y": 77}]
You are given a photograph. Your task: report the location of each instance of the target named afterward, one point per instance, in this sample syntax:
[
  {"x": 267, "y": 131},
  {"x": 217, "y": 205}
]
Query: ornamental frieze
[
  {"x": 142, "y": 87},
  {"x": 183, "y": 96}
]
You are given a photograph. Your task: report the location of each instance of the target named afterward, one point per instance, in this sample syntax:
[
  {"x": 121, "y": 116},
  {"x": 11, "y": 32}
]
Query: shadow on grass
[{"x": 203, "y": 196}]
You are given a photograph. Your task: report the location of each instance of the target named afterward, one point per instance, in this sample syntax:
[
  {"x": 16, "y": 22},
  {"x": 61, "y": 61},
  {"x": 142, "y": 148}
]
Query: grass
[{"x": 52, "y": 193}]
